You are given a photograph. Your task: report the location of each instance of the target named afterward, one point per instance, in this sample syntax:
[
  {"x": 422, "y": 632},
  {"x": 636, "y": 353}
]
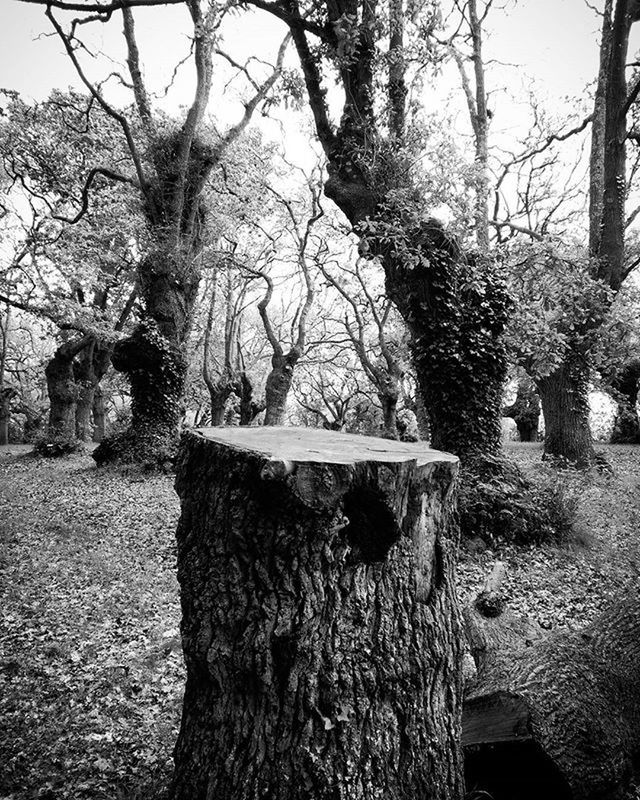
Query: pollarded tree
[
  {"x": 453, "y": 302},
  {"x": 171, "y": 164}
]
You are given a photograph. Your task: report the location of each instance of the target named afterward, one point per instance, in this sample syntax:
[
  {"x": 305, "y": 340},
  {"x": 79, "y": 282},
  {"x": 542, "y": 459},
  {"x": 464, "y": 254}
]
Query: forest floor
[{"x": 91, "y": 673}]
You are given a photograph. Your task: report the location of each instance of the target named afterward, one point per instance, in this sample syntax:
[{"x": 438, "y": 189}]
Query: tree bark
[
  {"x": 219, "y": 394},
  {"x": 6, "y": 393},
  {"x": 455, "y": 308},
  {"x": 249, "y": 408},
  {"x": 278, "y": 386},
  {"x": 320, "y": 627},
  {"x": 561, "y": 717},
  {"x": 389, "y": 404},
  {"x": 154, "y": 360},
  {"x": 33, "y": 420},
  {"x": 565, "y": 404},
  {"x": 63, "y": 390}
]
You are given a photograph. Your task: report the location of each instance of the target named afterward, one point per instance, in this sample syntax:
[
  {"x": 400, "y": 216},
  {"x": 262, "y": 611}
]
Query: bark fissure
[{"x": 321, "y": 652}]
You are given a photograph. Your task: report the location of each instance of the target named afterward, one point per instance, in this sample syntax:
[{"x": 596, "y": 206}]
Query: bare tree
[
  {"x": 305, "y": 253},
  {"x": 368, "y": 330}
]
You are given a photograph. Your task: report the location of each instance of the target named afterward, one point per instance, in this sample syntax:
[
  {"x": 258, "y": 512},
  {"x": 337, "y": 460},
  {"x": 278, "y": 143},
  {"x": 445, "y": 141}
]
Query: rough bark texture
[
  {"x": 560, "y": 718},
  {"x": 565, "y": 405},
  {"x": 320, "y": 628},
  {"x": 219, "y": 393},
  {"x": 525, "y": 410},
  {"x": 154, "y": 359},
  {"x": 455, "y": 308},
  {"x": 389, "y": 403}
]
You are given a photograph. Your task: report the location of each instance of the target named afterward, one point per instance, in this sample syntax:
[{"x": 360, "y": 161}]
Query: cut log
[
  {"x": 561, "y": 718},
  {"x": 320, "y": 629}
]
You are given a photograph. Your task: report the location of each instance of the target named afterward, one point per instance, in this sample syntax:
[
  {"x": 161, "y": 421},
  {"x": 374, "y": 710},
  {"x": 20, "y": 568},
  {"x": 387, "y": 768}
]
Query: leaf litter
[{"x": 91, "y": 671}]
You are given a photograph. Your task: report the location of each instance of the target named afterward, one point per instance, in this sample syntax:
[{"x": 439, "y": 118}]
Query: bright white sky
[{"x": 552, "y": 43}]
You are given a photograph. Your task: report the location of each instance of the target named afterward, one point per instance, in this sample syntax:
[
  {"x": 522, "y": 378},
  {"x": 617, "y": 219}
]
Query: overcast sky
[
  {"x": 554, "y": 41},
  {"x": 550, "y": 42}
]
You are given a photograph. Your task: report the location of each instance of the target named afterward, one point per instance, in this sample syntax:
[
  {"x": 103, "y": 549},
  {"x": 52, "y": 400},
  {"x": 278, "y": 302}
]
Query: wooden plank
[{"x": 497, "y": 717}]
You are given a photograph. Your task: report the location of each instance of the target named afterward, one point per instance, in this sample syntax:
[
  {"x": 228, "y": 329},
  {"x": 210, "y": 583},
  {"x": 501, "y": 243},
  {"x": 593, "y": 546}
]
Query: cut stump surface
[{"x": 320, "y": 628}]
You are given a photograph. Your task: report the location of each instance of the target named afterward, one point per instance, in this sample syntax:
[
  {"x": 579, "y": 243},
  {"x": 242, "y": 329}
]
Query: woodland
[{"x": 357, "y": 224}]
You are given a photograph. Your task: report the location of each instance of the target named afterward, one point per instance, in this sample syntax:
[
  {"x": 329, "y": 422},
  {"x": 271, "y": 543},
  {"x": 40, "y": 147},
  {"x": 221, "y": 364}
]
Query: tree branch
[
  {"x": 107, "y": 173},
  {"x": 100, "y": 8},
  {"x": 517, "y": 228},
  {"x": 133, "y": 62},
  {"x": 107, "y": 108}
]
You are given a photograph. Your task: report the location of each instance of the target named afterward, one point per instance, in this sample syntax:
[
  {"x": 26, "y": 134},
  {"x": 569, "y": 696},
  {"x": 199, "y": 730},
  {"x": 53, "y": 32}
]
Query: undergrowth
[{"x": 497, "y": 502}]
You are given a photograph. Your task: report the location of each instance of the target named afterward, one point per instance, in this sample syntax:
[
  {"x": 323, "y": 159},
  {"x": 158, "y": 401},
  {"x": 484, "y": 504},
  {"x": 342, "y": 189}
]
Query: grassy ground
[{"x": 90, "y": 668}]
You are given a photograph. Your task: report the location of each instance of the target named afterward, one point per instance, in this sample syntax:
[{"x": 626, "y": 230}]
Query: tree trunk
[
  {"x": 33, "y": 420},
  {"x": 565, "y": 404},
  {"x": 83, "y": 372},
  {"x": 63, "y": 390},
  {"x": 277, "y": 388},
  {"x": 560, "y": 718},
  {"x": 6, "y": 396},
  {"x": 389, "y": 415},
  {"x": 89, "y": 369},
  {"x": 525, "y": 410},
  {"x": 154, "y": 360},
  {"x": 249, "y": 408},
  {"x": 320, "y": 627},
  {"x": 6, "y": 393},
  {"x": 219, "y": 396},
  {"x": 156, "y": 371},
  {"x": 455, "y": 308},
  {"x": 99, "y": 415}
]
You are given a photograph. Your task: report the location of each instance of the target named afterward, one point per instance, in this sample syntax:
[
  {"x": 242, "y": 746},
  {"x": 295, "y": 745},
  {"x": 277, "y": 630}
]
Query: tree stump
[{"x": 320, "y": 627}]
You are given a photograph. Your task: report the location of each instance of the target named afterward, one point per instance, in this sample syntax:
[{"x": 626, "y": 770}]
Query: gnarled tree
[
  {"x": 453, "y": 302},
  {"x": 170, "y": 168}
]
